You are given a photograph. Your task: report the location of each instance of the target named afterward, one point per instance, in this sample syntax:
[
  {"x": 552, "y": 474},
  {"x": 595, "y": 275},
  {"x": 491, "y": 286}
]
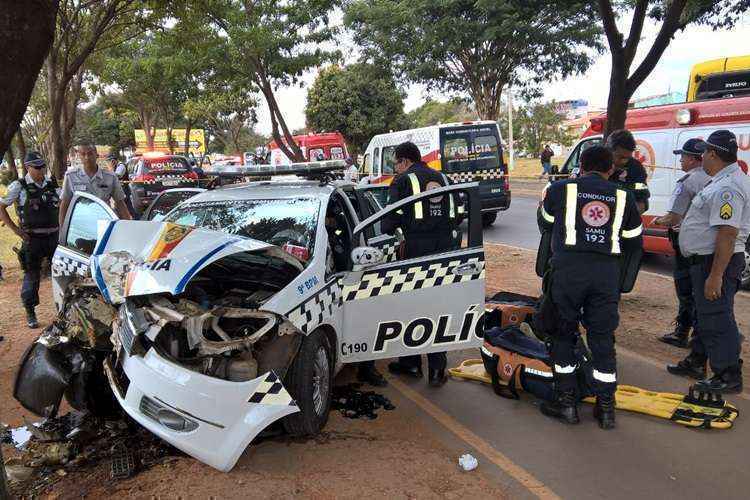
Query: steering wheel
[{"x": 293, "y": 239}]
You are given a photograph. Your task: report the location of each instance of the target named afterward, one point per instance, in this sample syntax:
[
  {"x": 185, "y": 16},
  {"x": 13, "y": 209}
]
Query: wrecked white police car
[{"x": 232, "y": 312}]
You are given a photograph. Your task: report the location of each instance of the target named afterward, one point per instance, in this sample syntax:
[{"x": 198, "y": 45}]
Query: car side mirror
[{"x": 367, "y": 256}]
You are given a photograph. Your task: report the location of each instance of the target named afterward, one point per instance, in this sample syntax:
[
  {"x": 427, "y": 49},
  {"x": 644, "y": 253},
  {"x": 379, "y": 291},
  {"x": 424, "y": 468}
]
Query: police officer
[
  {"x": 37, "y": 201},
  {"x": 594, "y": 223},
  {"x": 428, "y": 227},
  {"x": 687, "y": 187},
  {"x": 91, "y": 179},
  {"x": 712, "y": 238},
  {"x": 629, "y": 172},
  {"x": 121, "y": 171}
]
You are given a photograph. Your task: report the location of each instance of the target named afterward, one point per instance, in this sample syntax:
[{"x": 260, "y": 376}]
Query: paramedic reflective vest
[
  {"x": 633, "y": 177},
  {"x": 440, "y": 213},
  {"x": 590, "y": 214}
]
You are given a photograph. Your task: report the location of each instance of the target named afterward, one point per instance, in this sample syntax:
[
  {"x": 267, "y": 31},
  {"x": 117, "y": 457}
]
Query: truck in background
[{"x": 322, "y": 146}]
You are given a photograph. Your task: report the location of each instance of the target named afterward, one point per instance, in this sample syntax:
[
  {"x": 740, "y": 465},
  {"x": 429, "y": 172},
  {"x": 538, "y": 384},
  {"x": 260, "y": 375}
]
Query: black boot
[
  {"x": 397, "y": 368},
  {"x": 604, "y": 411},
  {"x": 368, "y": 374},
  {"x": 727, "y": 382},
  {"x": 693, "y": 366},
  {"x": 563, "y": 408},
  {"x": 31, "y": 320},
  {"x": 678, "y": 337},
  {"x": 438, "y": 378}
]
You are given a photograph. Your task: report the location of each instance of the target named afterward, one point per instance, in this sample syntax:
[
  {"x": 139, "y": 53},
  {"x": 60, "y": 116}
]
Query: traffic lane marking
[{"x": 524, "y": 477}]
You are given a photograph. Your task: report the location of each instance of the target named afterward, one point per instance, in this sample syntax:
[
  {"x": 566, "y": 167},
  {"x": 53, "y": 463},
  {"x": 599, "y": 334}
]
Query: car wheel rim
[
  {"x": 320, "y": 380},
  {"x": 745, "y": 277}
]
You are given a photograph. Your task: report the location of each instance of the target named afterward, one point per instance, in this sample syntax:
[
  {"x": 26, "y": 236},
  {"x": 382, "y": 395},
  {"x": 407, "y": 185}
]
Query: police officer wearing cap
[
  {"x": 428, "y": 227},
  {"x": 37, "y": 201},
  {"x": 89, "y": 178},
  {"x": 687, "y": 187},
  {"x": 629, "y": 172},
  {"x": 595, "y": 226},
  {"x": 712, "y": 238}
]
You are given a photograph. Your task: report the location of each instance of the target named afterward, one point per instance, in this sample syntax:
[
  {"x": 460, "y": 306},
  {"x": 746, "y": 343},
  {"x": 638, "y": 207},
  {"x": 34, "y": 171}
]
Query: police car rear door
[
  {"x": 412, "y": 306},
  {"x": 77, "y": 240}
]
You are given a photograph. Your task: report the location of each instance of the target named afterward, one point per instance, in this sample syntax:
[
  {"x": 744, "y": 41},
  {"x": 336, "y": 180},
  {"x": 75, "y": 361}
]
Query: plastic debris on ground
[
  {"x": 467, "y": 462},
  {"x": 79, "y": 443},
  {"x": 353, "y": 403}
]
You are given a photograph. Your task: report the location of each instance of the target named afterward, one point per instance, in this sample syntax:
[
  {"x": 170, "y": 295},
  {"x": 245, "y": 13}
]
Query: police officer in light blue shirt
[
  {"x": 712, "y": 238},
  {"x": 686, "y": 188}
]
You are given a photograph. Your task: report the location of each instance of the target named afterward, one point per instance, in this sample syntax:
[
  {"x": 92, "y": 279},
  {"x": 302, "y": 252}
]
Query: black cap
[
  {"x": 34, "y": 159},
  {"x": 689, "y": 148},
  {"x": 111, "y": 157},
  {"x": 723, "y": 140}
]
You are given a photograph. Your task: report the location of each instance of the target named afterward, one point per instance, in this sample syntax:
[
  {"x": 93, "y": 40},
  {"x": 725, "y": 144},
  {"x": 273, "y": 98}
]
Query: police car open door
[
  {"x": 433, "y": 303},
  {"x": 77, "y": 240}
]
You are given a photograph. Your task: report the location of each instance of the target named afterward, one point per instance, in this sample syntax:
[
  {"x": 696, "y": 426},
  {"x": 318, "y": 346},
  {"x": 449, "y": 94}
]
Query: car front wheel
[
  {"x": 309, "y": 382},
  {"x": 488, "y": 218}
]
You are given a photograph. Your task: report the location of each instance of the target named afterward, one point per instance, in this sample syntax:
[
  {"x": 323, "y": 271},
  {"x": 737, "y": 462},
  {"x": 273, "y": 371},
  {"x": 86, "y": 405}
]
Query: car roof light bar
[{"x": 303, "y": 169}]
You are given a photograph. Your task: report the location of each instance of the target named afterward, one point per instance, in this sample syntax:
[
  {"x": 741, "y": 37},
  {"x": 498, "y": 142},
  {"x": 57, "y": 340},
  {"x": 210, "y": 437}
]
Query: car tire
[
  {"x": 745, "y": 276},
  {"x": 309, "y": 381},
  {"x": 488, "y": 218}
]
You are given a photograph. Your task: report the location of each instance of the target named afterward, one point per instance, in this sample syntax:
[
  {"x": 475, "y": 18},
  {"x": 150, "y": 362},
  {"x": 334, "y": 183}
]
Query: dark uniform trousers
[
  {"x": 34, "y": 251},
  {"x": 418, "y": 245},
  {"x": 586, "y": 287},
  {"x": 719, "y": 335},
  {"x": 683, "y": 285}
]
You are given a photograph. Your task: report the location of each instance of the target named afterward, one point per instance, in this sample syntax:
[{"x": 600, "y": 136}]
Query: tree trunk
[
  {"x": 170, "y": 144},
  {"x": 4, "y": 495},
  {"x": 11, "y": 161},
  {"x": 286, "y": 144},
  {"x": 26, "y": 37},
  {"x": 21, "y": 150},
  {"x": 188, "y": 129}
]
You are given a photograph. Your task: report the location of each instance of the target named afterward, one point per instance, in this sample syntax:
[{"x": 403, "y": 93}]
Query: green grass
[{"x": 530, "y": 167}]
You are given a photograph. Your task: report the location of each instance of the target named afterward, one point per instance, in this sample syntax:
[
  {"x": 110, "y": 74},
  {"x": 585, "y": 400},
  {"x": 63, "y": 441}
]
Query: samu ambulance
[
  {"x": 658, "y": 131},
  {"x": 464, "y": 152}
]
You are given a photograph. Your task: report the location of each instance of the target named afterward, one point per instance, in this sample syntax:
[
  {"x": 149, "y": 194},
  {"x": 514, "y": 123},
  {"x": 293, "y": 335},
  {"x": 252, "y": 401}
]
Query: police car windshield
[
  {"x": 288, "y": 223},
  {"x": 165, "y": 164},
  {"x": 470, "y": 148}
]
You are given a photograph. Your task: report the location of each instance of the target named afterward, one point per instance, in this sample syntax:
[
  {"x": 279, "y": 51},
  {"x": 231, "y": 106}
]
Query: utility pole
[{"x": 511, "y": 161}]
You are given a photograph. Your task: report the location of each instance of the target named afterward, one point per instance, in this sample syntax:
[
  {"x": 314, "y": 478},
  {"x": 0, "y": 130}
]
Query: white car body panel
[{"x": 227, "y": 420}]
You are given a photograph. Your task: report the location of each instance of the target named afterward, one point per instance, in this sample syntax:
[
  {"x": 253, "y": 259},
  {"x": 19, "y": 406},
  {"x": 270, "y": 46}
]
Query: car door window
[
  {"x": 389, "y": 160},
  {"x": 573, "y": 161},
  {"x": 376, "y": 162},
  {"x": 82, "y": 227}
]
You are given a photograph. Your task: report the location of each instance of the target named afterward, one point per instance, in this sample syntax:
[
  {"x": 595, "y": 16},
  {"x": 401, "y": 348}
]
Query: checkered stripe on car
[
  {"x": 310, "y": 313},
  {"x": 161, "y": 178},
  {"x": 66, "y": 266},
  {"x": 461, "y": 177},
  {"x": 389, "y": 248},
  {"x": 414, "y": 277},
  {"x": 271, "y": 392}
]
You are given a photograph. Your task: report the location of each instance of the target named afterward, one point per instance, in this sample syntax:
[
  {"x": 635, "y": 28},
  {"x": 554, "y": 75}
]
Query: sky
[{"x": 695, "y": 44}]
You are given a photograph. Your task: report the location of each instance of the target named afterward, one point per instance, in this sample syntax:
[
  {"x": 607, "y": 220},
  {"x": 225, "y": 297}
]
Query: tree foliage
[
  {"x": 359, "y": 101},
  {"x": 540, "y": 124},
  {"x": 477, "y": 47},
  {"x": 672, "y": 16},
  {"x": 270, "y": 43},
  {"x": 433, "y": 112}
]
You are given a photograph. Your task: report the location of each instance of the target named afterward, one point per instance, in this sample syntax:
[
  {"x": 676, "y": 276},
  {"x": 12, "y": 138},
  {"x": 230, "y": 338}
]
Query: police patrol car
[{"x": 232, "y": 313}]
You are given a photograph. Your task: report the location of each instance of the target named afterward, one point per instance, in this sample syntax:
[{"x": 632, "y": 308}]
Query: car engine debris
[{"x": 353, "y": 403}]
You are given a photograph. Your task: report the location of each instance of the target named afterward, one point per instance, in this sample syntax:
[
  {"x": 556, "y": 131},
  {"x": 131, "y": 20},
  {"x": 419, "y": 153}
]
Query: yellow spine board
[{"x": 665, "y": 405}]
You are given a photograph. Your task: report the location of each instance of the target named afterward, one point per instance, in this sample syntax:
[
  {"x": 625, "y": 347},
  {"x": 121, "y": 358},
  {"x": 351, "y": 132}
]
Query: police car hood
[{"x": 134, "y": 258}]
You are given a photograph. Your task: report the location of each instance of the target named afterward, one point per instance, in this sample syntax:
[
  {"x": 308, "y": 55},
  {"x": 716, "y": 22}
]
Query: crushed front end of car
[{"x": 192, "y": 354}]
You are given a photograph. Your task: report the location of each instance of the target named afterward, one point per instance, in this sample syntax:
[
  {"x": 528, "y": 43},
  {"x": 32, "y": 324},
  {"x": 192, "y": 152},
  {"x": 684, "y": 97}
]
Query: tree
[
  {"x": 476, "y": 47},
  {"x": 674, "y": 16},
  {"x": 359, "y": 101},
  {"x": 229, "y": 113},
  {"x": 270, "y": 43},
  {"x": 26, "y": 37},
  {"x": 83, "y": 28},
  {"x": 540, "y": 124},
  {"x": 434, "y": 112}
]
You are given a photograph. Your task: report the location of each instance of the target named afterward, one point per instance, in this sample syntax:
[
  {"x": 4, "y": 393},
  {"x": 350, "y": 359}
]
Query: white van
[{"x": 465, "y": 152}]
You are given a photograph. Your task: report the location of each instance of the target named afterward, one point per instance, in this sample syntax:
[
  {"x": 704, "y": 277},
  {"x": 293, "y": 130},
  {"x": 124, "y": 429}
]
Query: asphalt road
[
  {"x": 517, "y": 226},
  {"x": 645, "y": 457}
]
